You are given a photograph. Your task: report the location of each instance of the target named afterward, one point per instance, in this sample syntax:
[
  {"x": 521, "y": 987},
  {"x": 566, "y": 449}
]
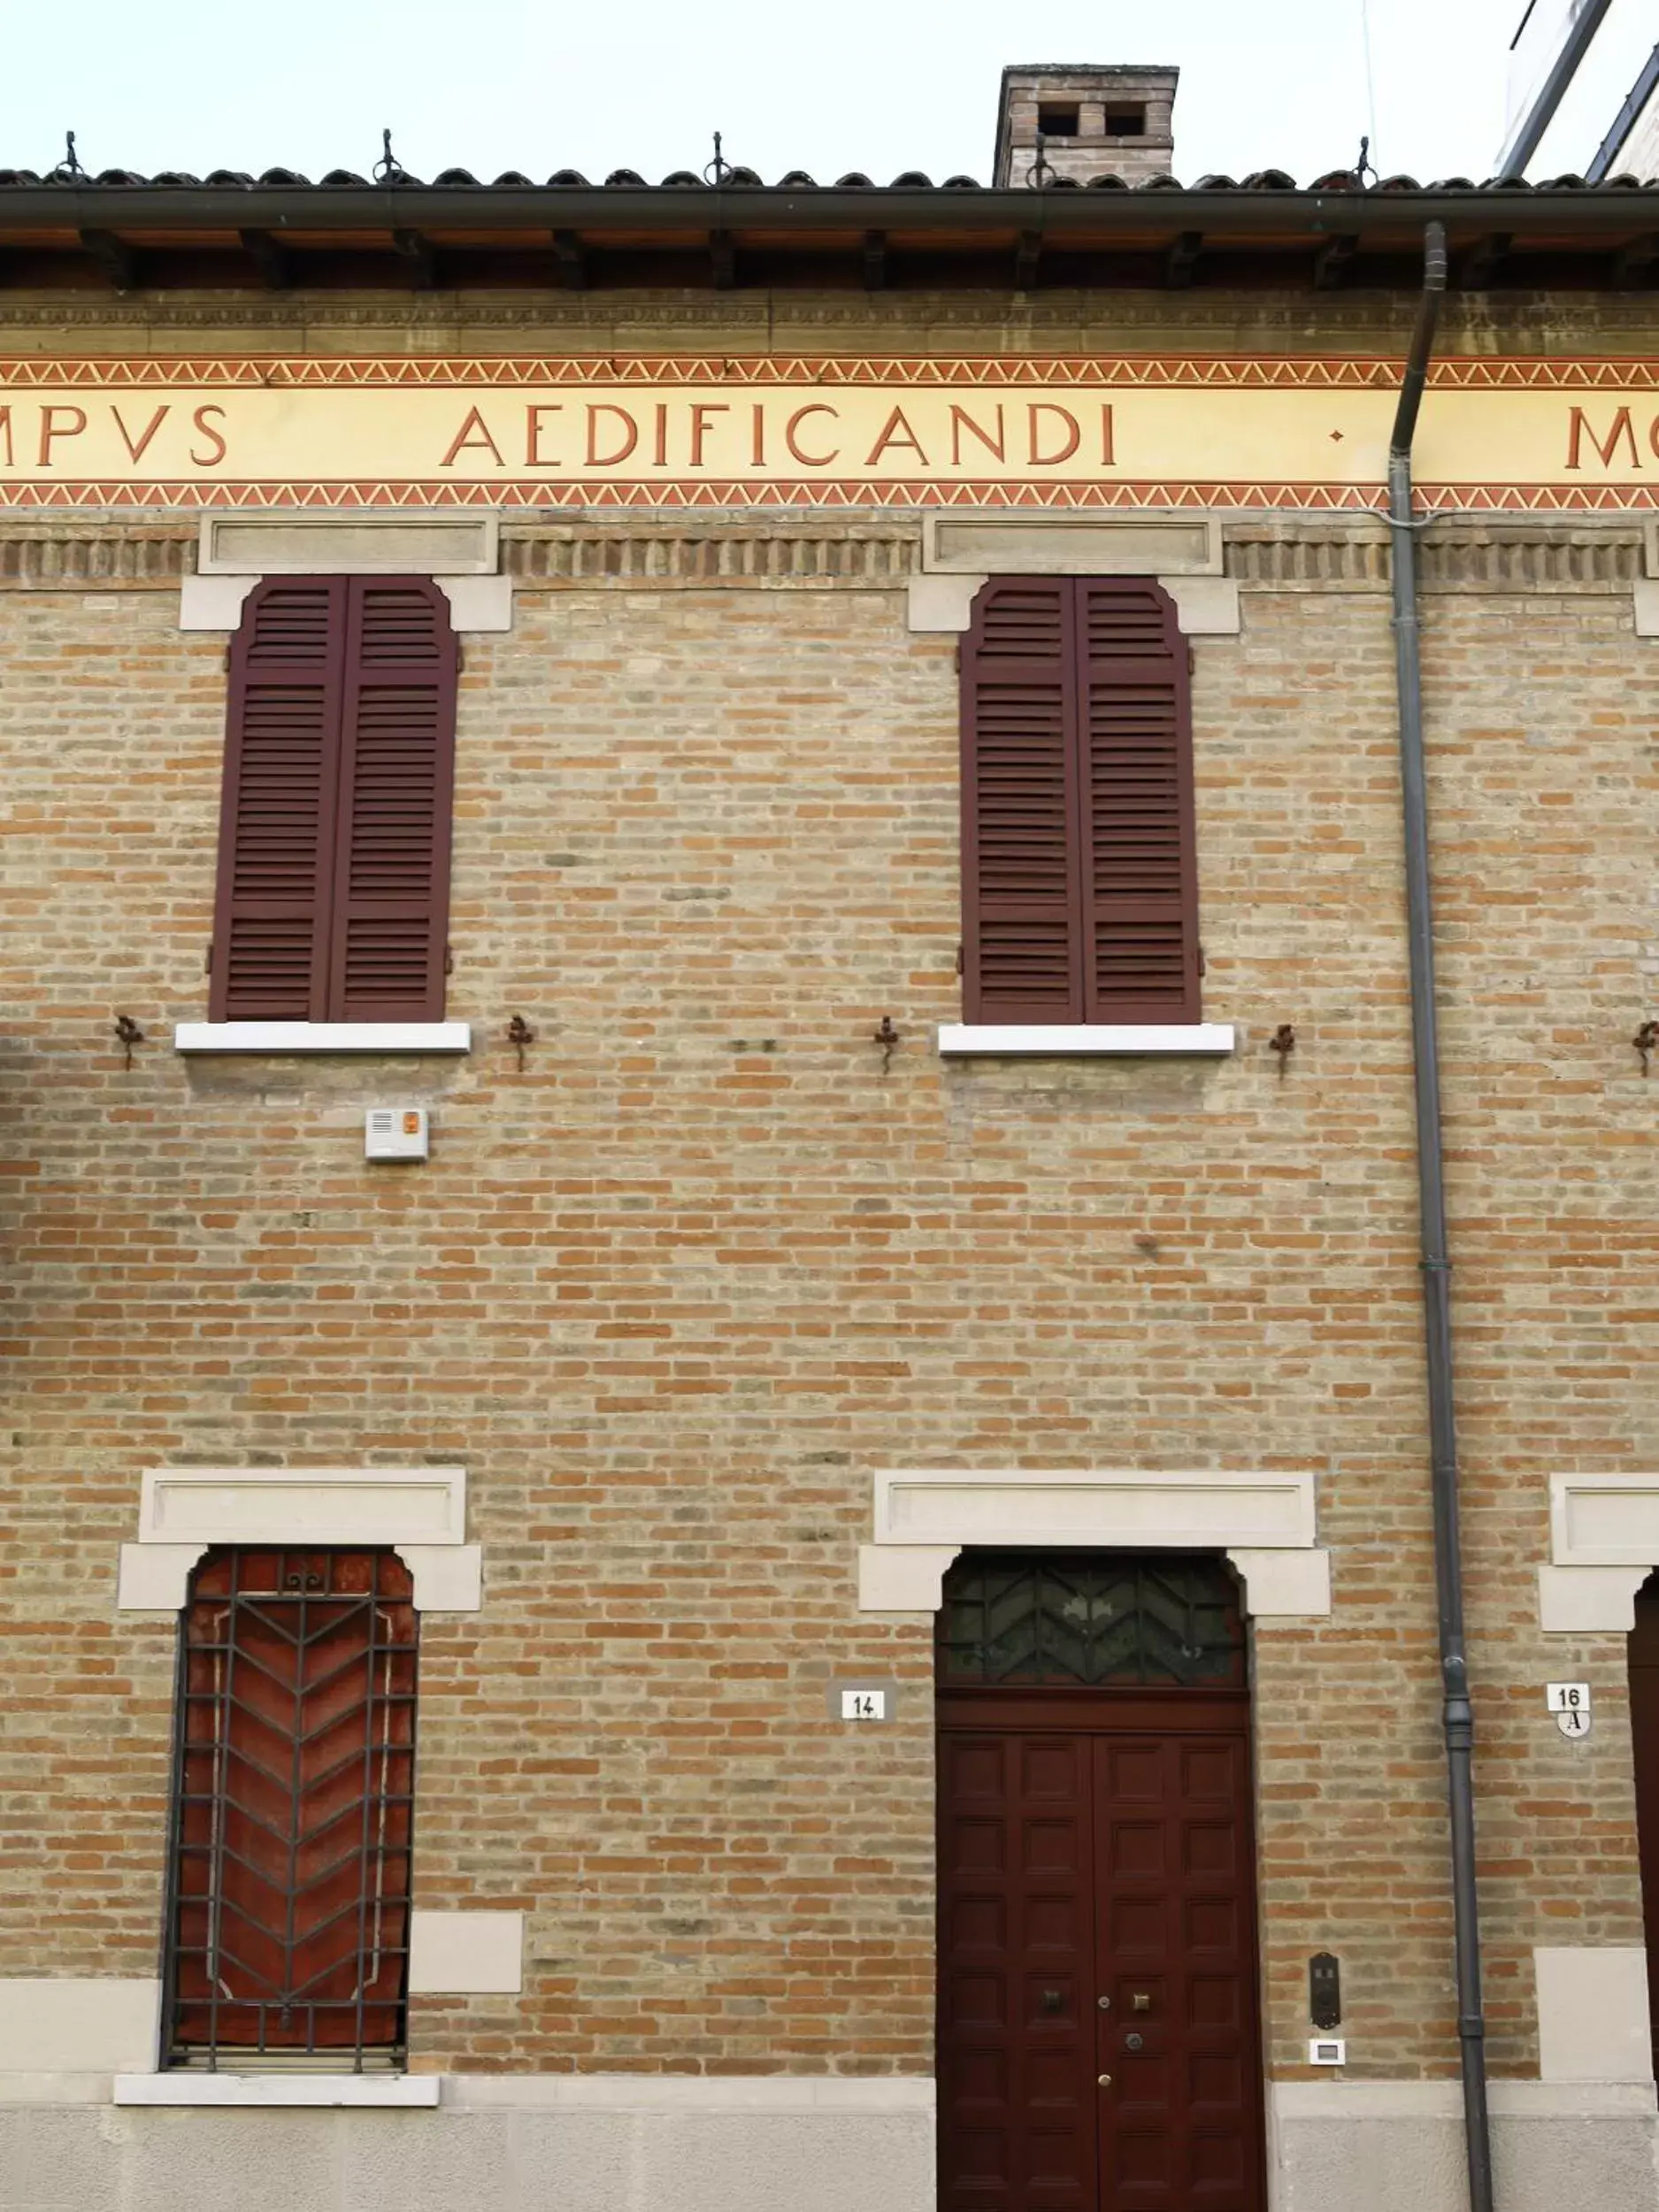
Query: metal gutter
[
  {"x": 1456, "y": 1712},
  {"x": 1265, "y": 212}
]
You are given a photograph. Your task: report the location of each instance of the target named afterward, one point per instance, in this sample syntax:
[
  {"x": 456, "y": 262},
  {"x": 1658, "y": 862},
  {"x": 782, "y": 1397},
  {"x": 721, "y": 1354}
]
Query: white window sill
[
  {"x": 1074, "y": 1039},
  {"x": 277, "y": 2089},
  {"x": 323, "y": 1037}
]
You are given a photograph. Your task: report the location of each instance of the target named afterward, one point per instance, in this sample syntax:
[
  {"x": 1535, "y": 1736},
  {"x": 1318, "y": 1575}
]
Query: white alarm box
[{"x": 395, "y": 1133}]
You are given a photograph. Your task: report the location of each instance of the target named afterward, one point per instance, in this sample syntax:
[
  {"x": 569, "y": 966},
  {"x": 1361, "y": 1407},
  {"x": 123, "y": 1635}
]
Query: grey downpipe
[{"x": 1457, "y": 1715}]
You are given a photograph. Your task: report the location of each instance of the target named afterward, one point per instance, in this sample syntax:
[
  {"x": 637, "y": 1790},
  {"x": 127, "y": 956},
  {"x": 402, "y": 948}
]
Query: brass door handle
[{"x": 1105, "y": 2081}]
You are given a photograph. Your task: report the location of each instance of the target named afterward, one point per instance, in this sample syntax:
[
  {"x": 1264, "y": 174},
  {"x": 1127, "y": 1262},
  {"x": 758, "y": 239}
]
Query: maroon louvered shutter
[
  {"x": 391, "y": 893},
  {"x": 1021, "y": 955},
  {"x": 333, "y": 872},
  {"x": 278, "y": 814},
  {"x": 1139, "y": 875},
  {"x": 1080, "y": 880}
]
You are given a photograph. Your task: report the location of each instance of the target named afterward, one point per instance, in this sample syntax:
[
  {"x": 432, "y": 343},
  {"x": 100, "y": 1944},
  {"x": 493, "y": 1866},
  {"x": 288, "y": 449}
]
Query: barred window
[{"x": 288, "y": 1908}]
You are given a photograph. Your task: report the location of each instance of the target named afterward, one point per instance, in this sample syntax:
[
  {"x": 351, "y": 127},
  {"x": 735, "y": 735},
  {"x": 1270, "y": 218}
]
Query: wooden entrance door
[
  {"x": 1099, "y": 2032},
  {"x": 1644, "y": 1728}
]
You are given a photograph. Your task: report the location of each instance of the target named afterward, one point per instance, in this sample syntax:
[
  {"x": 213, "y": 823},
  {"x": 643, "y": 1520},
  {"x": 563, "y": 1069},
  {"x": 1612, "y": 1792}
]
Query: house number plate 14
[
  {"x": 863, "y": 1702},
  {"x": 1569, "y": 1702}
]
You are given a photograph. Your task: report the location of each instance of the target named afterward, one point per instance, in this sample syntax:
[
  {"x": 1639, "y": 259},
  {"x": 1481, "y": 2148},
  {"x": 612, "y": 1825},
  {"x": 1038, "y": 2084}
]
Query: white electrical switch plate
[
  {"x": 1327, "y": 2050},
  {"x": 395, "y": 1133}
]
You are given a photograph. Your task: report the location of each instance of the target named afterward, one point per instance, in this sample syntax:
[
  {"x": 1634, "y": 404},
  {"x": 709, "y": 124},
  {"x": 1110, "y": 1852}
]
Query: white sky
[{"x": 874, "y": 85}]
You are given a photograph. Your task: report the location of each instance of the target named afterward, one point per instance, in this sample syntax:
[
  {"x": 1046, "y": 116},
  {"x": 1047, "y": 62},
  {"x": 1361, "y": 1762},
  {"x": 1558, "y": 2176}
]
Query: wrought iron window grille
[
  {"x": 1012, "y": 1618},
  {"x": 287, "y": 1938}
]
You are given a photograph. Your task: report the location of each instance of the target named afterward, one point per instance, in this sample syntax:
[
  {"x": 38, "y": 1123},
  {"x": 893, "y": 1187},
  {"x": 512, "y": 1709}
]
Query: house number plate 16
[{"x": 1569, "y": 1702}]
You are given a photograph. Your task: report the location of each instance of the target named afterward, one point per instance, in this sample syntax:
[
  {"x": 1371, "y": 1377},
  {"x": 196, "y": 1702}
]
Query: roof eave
[{"x": 1146, "y": 211}]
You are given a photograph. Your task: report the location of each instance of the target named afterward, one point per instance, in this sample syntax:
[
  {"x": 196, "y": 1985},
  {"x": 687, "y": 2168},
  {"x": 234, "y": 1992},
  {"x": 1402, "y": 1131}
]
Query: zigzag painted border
[
  {"x": 1186, "y": 370},
  {"x": 1334, "y": 498}
]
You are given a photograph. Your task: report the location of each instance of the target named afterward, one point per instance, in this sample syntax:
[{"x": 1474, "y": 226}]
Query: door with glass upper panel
[{"x": 1099, "y": 2030}]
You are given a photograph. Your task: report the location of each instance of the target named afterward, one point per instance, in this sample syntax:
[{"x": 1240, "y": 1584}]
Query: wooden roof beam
[
  {"x": 723, "y": 258},
  {"x": 1027, "y": 260},
  {"x": 1333, "y": 262},
  {"x": 1635, "y": 264},
  {"x": 1484, "y": 260},
  {"x": 114, "y": 256},
  {"x": 875, "y": 260},
  {"x": 421, "y": 256},
  {"x": 572, "y": 260},
  {"x": 1181, "y": 258},
  {"x": 270, "y": 256}
]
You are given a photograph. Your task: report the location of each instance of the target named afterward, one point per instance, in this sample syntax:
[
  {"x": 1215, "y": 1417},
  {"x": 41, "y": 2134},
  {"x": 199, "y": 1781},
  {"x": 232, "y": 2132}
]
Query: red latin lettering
[
  {"x": 1071, "y": 434},
  {"x": 961, "y": 420},
  {"x": 896, "y": 431},
  {"x": 474, "y": 432},
  {"x": 1108, "y": 439},
  {"x": 758, "y": 435},
  {"x": 149, "y": 431},
  {"x": 808, "y": 460},
  {"x": 659, "y": 450},
  {"x": 5, "y": 425},
  {"x": 700, "y": 428},
  {"x": 1579, "y": 425},
  {"x": 533, "y": 454},
  {"x": 208, "y": 460},
  {"x": 49, "y": 429},
  {"x": 630, "y": 434}
]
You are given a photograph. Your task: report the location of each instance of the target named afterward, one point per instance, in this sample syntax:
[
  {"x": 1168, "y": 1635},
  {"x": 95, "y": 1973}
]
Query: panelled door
[
  {"x": 1644, "y": 1728},
  {"x": 1099, "y": 2040}
]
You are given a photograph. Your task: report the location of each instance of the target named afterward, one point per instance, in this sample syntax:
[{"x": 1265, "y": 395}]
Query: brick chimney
[{"x": 1095, "y": 121}]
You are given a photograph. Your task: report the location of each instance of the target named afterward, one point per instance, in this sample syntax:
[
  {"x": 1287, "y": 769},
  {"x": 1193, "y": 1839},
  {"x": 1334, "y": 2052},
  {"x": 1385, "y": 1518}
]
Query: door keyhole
[{"x": 1134, "y": 2042}]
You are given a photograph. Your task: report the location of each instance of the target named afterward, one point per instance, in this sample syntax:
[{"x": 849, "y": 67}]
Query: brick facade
[{"x": 676, "y": 1289}]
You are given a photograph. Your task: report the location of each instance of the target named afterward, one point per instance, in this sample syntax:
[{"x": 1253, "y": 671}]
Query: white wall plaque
[
  {"x": 1569, "y": 1702},
  {"x": 862, "y": 1703}
]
